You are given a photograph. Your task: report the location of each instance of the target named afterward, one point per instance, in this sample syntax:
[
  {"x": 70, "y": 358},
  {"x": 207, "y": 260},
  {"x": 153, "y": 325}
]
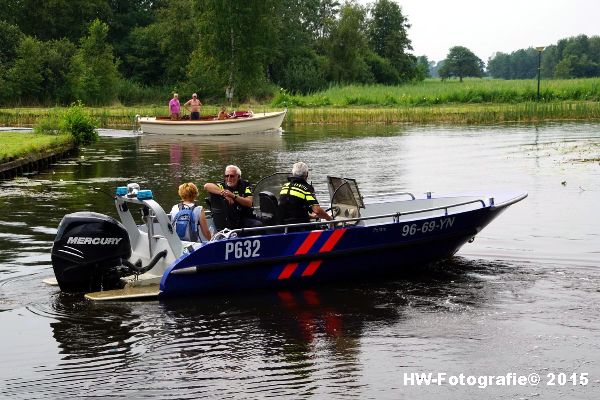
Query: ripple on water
[{"x": 535, "y": 310}]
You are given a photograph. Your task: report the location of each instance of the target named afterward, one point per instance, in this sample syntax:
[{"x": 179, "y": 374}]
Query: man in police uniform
[
  {"x": 238, "y": 195},
  {"x": 297, "y": 201}
]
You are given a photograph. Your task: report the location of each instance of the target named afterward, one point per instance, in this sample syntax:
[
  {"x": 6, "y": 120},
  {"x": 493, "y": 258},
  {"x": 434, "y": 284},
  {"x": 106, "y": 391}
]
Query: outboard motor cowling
[{"x": 87, "y": 251}]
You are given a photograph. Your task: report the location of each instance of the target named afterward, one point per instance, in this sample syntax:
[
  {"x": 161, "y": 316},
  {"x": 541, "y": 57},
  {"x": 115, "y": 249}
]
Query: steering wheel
[{"x": 335, "y": 211}]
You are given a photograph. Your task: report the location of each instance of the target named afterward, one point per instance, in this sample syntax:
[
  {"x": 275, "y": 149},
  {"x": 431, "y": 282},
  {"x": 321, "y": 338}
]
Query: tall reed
[
  {"x": 457, "y": 114},
  {"x": 435, "y": 92}
]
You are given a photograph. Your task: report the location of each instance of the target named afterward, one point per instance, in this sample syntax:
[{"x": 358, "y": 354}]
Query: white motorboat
[{"x": 237, "y": 123}]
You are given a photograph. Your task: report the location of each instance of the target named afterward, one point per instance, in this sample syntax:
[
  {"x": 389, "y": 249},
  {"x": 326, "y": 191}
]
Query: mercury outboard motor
[{"x": 88, "y": 252}]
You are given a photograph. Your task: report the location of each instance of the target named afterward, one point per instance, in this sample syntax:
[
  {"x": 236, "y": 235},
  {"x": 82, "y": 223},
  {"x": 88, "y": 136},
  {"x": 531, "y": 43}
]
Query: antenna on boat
[{"x": 97, "y": 189}]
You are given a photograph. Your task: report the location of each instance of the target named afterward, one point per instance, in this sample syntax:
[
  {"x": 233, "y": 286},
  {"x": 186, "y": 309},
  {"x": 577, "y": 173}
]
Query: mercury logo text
[{"x": 89, "y": 240}]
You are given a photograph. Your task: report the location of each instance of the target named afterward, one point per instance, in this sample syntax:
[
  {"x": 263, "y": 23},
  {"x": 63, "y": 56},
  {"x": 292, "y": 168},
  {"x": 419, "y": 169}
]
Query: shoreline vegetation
[
  {"x": 16, "y": 145},
  {"x": 475, "y": 101},
  {"x": 459, "y": 114}
]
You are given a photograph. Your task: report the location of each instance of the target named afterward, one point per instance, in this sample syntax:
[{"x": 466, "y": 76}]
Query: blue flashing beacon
[{"x": 145, "y": 194}]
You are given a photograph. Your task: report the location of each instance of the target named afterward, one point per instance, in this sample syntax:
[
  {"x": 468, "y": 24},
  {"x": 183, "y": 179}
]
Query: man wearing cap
[{"x": 193, "y": 106}]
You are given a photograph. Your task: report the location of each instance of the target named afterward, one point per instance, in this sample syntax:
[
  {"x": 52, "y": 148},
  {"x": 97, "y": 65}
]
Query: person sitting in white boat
[
  {"x": 193, "y": 106},
  {"x": 222, "y": 114},
  {"x": 174, "y": 107},
  {"x": 186, "y": 216},
  {"x": 238, "y": 195},
  {"x": 297, "y": 200}
]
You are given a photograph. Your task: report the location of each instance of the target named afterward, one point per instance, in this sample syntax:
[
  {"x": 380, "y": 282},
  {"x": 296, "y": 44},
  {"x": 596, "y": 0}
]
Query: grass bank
[
  {"x": 18, "y": 144},
  {"x": 107, "y": 117},
  {"x": 475, "y": 101},
  {"x": 123, "y": 117},
  {"x": 467, "y": 114},
  {"x": 435, "y": 92}
]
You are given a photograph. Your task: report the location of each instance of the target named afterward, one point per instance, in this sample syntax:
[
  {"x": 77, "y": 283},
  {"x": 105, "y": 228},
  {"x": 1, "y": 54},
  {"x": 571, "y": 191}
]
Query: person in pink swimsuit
[{"x": 174, "y": 107}]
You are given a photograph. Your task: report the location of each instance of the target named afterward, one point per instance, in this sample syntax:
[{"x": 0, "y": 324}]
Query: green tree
[
  {"x": 94, "y": 73},
  {"x": 576, "y": 59},
  {"x": 56, "y": 62},
  {"x": 236, "y": 46},
  {"x": 573, "y": 66},
  {"x": 499, "y": 66},
  {"x": 434, "y": 68},
  {"x": 11, "y": 37},
  {"x": 550, "y": 58},
  {"x": 382, "y": 69},
  {"x": 461, "y": 62},
  {"x": 422, "y": 68},
  {"x": 387, "y": 33},
  {"x": 348, "y": 46},
  {"x": 39, "y": 74},
  {"x": 524, "y": 64},
  {"x": 25, "y": 76},
  {"x": 178, "y": 28},
  {"x": 304, "y": 74},
  {"x": 144, "y": 61},
  {"x": 126, "y": 16},
  {"x": 56, "y": 19},
  {"x": 299, "y": 42},
  {"x": 322, "y": 21},
  {"x": 11, "y": 10}
]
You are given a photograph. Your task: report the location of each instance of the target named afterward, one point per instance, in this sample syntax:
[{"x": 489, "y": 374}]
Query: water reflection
[
  {"x": 536, "y": 310},
  {"x": 271, "y": 343},
  {"x": 83, "y": 330},
  {"x": 261, "y": 140},
  {"x": 289, "y": 323},
  {"x": 203, "y": 158},
  {"x": 279, "y": 321}
]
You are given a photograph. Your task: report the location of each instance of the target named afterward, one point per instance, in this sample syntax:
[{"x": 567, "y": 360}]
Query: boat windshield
[
  {"x": 349, "y": 194},
  {"x": 272, "y": 184},
  {"x": 346, "y": 200}
]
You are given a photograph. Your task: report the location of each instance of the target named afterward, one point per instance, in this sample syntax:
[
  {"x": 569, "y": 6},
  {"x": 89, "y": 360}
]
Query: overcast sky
[{"x": 485, "y": 27}]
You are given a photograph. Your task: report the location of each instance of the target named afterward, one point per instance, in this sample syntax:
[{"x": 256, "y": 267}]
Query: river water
[{"x": 523, "y": 299}]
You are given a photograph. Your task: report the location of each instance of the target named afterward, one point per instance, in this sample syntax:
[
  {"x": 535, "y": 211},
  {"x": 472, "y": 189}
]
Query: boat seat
[
  {"x": 218, "y": 209},
  {"x": 269, "y": 208}
]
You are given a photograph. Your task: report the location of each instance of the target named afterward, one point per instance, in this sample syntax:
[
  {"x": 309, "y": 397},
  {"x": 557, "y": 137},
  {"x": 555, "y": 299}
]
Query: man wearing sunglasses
[{"x": 238, "y": 195}]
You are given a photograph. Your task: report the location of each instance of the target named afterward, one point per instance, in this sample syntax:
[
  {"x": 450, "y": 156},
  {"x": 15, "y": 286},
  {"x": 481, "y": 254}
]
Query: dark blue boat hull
[{"x": 312, "y": 257}]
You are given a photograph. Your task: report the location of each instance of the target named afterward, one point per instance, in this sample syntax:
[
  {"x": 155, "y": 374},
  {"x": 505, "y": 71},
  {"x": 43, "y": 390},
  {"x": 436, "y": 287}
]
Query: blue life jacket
[{"x": 185, "y": 223}]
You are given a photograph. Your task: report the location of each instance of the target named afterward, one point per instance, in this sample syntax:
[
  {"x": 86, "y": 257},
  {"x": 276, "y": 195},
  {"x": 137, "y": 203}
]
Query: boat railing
[
  {"x": 349, "y": 221},
  {"x": 373, "y": 196}
]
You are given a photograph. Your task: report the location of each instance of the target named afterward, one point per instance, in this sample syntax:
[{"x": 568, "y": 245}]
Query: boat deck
[{"x": 132, "y": 293}]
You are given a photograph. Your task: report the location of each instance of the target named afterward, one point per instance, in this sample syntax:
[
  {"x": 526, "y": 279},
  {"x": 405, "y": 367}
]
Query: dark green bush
[
  {"x": 382, "y": 69},
  {"x": 304, "y": 75},
  {"x": 285, "y": 99},
  {"x": 74, "y": 120},
  {"x": 80, "y": 124}
]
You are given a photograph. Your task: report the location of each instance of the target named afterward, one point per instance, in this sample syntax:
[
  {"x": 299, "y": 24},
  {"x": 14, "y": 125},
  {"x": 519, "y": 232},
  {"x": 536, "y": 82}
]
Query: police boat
[{"x": 369, "y": 236}]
